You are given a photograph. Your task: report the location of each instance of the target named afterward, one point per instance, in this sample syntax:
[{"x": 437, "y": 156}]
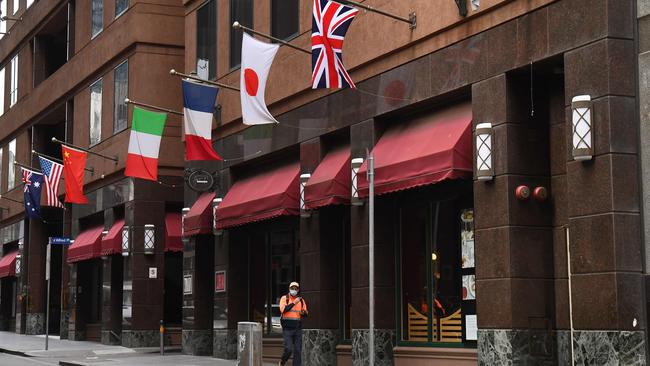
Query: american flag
[
  {"x": 330, "y": 23},
  {"x": 52, "y": 172}
]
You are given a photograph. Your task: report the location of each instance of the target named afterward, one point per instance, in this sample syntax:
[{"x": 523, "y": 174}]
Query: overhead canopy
[
  {"x": 87, "y": 245},
  {"x": 8, "y": 264},
  {"x": 260, "y": 197},
  {"x": 173, "y": 242},
  {"x": 330, "y": 183},
  {"x": 199, "y": 219},
  {"x": 424, "y": 151},
  {"x": 112, "y": 242}
]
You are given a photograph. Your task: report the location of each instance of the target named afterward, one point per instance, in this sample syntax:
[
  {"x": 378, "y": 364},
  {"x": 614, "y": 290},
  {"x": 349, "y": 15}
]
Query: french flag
[{"x": 199, "y": 102}]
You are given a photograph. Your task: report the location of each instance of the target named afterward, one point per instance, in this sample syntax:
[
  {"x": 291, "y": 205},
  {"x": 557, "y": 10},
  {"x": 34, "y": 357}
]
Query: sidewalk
[{"x": 81, "y": 353}]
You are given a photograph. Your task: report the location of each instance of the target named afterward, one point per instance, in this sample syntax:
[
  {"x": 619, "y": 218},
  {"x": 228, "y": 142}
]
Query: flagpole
[
  {"x": 114, "y": 158},
  {"x": 129, "y": 101},
  {"x": 92, "y": 170},
  {"x": 411, "y": 20},
  {"x": 192, "y": 77},
  {"x": 11, "y": 199},
  {"x": 237, "y": 25}
]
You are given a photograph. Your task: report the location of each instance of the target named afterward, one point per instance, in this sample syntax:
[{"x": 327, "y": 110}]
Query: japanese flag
[{"x": 256, "y": 60}]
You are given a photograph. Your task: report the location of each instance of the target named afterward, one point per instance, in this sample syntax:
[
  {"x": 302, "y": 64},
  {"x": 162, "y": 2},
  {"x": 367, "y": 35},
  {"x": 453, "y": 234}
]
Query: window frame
[
  {"x": 212, "y": 66},
  {"x": 118, "y": 14},
  {"x": 99, "y": 81},
  {"x": 291, "y": 36},
  {"x": 2, "y": 90},
  {"x": 11, "y": 165},
  {"x": 93, "y": 35},
  {"x": 117, "y": 102},
  {"x": 237, "y": 37},
  {"x": 13, "y": 83},
  {"x": 16, "y": 6},
  {"x": 3, "y": 24}
]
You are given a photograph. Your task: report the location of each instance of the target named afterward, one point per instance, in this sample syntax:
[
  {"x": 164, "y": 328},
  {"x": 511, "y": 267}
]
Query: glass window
[
  {"x": 121, "y": 76},
  {"x": 97, "y": 17},
  {"x": 96, "y": 112},
  {"x": 13, "y": 92},
  {"x": 16, "y": 6},
  {"x": 3, "y": 10},
  {"x": 274, "y": 267},
  {"x": 29, "y": 3},
  {"x": 2, "y": 91},
  {"x": 241, "y": 11},
  {"x": 285, "y": 18},
  {"x": 11, "y": 167},
  {"x": 206, "y": 40},
  {"x": 437, "y": 275},
  {"x": 120, "y": 7}
]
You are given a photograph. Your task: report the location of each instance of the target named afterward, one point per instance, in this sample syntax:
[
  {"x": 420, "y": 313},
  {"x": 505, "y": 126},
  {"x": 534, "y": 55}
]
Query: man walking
[{"x": 292, "y": 309}]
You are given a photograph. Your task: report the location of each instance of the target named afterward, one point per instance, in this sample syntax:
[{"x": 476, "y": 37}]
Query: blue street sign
[{"x": 59, "y": 240}]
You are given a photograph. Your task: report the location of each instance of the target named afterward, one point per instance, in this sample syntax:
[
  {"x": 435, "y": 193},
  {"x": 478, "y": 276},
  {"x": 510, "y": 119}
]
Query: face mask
[{"x": 293, "y": 292}]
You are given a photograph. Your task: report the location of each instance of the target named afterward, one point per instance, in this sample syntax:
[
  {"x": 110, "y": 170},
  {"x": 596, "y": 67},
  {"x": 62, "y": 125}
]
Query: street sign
[{"x": 59, "y": 240}]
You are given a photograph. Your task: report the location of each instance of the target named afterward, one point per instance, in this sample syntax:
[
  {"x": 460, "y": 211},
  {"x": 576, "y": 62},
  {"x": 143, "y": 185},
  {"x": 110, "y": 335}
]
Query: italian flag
[{"x": 144, "y": 144}]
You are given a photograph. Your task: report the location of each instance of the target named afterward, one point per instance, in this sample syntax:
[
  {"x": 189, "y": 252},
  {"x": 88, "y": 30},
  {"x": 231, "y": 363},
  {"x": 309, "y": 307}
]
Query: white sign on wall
[
  {"x": 153, "y": 272},
  {"x": 187, "y": 284}
]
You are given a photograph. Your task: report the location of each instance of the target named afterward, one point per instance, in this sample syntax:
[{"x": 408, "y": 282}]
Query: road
[{"x": 11, "y": 360}]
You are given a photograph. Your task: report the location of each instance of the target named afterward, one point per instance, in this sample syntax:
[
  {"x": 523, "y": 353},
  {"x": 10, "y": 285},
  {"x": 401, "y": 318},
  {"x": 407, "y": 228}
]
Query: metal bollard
[
  {"x": 162, "y": 338},
  {"x": 249, "y": 344}
]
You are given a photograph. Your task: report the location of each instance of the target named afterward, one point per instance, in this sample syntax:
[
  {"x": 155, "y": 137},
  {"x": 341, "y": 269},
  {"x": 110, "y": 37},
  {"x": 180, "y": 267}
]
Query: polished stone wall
[
  {"x": 384, "y": 343},
  {"x": 65, "y": 322},
  {"x": 35, "y": 323},
  {"x": 224, "y": 344},
  {"x": 319, "y": 346},
  {"x": 610, "y": 348},
  {"x": 140, "y": 338},
  {"x": 197, "y": 342}
]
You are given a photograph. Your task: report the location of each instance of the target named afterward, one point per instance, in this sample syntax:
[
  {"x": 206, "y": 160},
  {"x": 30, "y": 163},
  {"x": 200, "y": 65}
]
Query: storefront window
[{"x": 436, "y": 272}]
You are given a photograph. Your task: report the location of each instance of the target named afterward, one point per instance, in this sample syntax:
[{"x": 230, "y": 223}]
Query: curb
[
  {"x": 71, "y": 363},
  {"x": 13, "y": 352}
]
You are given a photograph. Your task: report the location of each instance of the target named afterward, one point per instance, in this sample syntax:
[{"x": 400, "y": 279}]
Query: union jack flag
[
  {"x": 330, "y": 22},
  {"x": 52, "y": 172}
]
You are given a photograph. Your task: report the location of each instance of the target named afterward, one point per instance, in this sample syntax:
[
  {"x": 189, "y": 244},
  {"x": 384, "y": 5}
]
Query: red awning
[
  {"x": 330, "y": 183},
  {"x": 87, "y": 245},
  {"x": 173, "y": 242},
  {"x": 8, "y": 264},
  {"x": 261, "y": 197},
  {"x": 425, "y": 151},
  {"x": 112, "y": 242},
  {"x": 199, "y": 219}
]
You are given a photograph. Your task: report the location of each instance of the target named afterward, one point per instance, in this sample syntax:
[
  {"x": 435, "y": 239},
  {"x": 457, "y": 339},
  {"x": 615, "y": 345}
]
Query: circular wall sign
[{"x": 201, "y": 181}]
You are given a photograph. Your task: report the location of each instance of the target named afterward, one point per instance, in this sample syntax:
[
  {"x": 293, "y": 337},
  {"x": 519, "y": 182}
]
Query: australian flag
[
  {"x": 330, "y": 22},
  {"x": 32, "y": 186}
]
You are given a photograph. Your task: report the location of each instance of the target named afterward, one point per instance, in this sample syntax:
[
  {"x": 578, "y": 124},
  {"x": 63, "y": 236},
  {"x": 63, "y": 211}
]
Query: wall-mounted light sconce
[
  {"x": 303, "y": 182},
  {"x": 582, "y": 132},
  {"x": 184, "y": 213},
  {"x": 484, "y": 165},
  {"x": 355, "y": 165},
  {"x": 215, "y": 204},
  {"x": 126, "y": 237},
  {"x": 18, "y": 263},
  {"x": 522, "y": 193},
  {"x": 149, "y": 239}
]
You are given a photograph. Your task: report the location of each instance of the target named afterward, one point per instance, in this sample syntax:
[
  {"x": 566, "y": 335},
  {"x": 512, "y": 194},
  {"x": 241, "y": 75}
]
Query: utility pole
[{"x": 371, "y": 258}]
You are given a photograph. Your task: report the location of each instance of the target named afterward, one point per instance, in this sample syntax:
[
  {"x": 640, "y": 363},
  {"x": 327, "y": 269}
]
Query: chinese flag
[{"x": 74, "y": 162}]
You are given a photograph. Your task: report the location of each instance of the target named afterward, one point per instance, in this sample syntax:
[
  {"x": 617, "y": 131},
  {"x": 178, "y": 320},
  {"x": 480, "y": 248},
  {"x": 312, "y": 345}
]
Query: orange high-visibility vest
[{"x": 294, "y": 312}]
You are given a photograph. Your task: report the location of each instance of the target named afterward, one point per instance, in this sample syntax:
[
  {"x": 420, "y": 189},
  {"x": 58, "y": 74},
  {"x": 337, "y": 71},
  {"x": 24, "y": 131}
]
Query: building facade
[
  {"x": 510, "y": 169},
  {"x": 67, "y": 67},
  {"x": 471, "y": 263}
]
